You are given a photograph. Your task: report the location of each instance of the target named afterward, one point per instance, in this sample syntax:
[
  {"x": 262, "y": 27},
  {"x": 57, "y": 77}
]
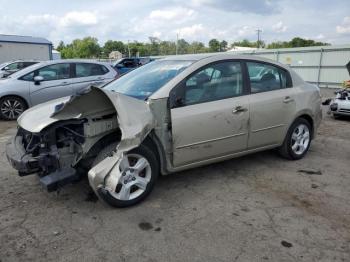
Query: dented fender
[{"x": 135, "y": 121}]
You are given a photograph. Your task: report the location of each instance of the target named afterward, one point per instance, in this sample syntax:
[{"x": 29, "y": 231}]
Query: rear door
[
  {"x": 209, "y": 114},
  {"x": 272, "y": 104},
  {"x": 88, "y": 74},
  {"x": 56, "y": 84}
]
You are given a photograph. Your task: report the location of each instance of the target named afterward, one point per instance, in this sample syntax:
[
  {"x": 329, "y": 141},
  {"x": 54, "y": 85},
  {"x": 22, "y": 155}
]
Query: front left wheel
[
  {"x": 139, "y": 172},
  {"x": 11, "y": 107}
]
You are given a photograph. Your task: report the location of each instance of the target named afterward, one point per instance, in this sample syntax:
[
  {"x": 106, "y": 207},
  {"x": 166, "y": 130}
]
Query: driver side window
[{"x": 214, "y": 82}]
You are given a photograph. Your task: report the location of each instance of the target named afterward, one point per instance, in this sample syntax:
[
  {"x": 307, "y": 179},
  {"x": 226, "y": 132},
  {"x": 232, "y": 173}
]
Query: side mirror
[
  {"x": 38, "y": 79},
  {"x": 119, "y": 66},
  {"x": 6, "y": 68}
]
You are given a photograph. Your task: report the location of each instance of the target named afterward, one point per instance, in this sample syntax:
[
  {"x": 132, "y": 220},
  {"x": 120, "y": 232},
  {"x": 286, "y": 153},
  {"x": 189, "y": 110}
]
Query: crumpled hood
[
  {"x": 38, "y": 117},
  {"x": 133, "y": 114}
]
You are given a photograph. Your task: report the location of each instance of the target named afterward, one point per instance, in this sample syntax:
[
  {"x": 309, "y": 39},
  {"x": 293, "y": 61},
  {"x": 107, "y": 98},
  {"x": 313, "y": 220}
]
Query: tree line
[{"x": 89, "y": 47}]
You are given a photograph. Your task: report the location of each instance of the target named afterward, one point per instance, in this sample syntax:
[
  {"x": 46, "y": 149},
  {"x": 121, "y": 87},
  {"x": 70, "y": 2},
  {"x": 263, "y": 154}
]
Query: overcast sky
[{"x": 198, "y": 20}]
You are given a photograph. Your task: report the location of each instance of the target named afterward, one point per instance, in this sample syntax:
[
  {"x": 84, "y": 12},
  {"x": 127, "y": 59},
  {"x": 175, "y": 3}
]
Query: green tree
[
  {"x": 214, "y": 45},
  {"x": 60, "y": 46},
  {"x": 167, "y": 48},
  {"x": 111, "y": 46},
  {"x": 223, "y": 46},
  {"x": 183, "y": 46},
  {"x": 88, "y": 47},
  {"x": 198, "y": 47},
  {"x": 296, "y": 42},
  {"x": 247, "y": 43}
]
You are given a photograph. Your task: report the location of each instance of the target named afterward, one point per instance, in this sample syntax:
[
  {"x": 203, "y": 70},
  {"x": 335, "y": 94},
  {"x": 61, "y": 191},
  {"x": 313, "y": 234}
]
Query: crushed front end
[
  {"x": 52, "y": 153},
  {"x": 60, "y": 139}
]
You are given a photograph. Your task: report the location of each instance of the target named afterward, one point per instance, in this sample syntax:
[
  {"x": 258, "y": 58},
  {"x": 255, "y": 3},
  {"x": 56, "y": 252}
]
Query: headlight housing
[{"x": 334, "y": 107}]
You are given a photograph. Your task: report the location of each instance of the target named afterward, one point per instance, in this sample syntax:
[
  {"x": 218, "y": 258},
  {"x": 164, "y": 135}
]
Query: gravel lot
[{"x": 254, "y": 208}]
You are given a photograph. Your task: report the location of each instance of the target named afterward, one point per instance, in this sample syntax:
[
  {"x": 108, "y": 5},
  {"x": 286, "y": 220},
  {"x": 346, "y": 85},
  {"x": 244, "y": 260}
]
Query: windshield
[
  {"x": 145, "y": 80},
  {"x": 3, "y": 65}
]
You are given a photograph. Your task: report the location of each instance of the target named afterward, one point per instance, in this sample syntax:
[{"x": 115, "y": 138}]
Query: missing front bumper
[{"x": 24, "y": 163}]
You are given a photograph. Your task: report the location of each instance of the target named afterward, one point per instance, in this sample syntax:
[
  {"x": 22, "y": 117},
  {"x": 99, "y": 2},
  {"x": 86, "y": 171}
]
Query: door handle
[
  {"x": 288, "y": 99},
  {"x": 239, "y": 109},
  {"x": 64, "y": 83}
]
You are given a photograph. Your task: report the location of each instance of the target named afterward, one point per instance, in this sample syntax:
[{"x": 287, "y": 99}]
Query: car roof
[
  {"x": 16, "y": 61},
  {"x": 222, "y": 56},
  {"x": 51, "y": 62}
]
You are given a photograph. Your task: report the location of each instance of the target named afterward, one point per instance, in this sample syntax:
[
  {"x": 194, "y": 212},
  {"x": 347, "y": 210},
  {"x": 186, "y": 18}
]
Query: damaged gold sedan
[{"x": 170, "y": 115}]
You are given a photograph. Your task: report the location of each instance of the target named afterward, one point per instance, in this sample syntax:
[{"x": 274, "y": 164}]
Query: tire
[
  {"x": 149, "y": 173},
  {"x": 295, "y": 144},
  {"x": 11, "y": 107},
  {"x": 336, "y": 116}
]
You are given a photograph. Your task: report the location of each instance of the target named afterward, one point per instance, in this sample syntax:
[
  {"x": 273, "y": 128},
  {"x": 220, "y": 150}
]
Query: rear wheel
[
  {"x": 297, "y": 141},
  {"x": 11, "y": 107},
  {"x": 139, "y": 171}
]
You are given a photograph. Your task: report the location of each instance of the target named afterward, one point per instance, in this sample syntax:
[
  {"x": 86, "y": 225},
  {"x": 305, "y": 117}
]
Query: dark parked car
[{"x": 125, "y": 65}]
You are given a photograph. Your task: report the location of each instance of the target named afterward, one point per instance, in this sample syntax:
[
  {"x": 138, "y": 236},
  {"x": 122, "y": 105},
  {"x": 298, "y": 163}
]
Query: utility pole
[
  {"x": 128, "y": 49},
  {"x": 258, "y": 31}
]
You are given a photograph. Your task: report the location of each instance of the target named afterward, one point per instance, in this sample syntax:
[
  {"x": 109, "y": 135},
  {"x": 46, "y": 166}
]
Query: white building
[
  {"x": 241, "y": 49},
  {"x": 115, "y": 55},
  {"x": 15, "y": 47}
]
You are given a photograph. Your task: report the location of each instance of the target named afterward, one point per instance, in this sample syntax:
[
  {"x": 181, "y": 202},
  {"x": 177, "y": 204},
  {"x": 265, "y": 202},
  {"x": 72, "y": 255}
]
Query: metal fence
[{"x": 321, "y": 65}]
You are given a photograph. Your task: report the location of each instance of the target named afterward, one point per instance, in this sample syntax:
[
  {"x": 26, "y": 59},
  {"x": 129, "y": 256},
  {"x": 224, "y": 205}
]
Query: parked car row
[
  {"x": 24, "y": 84},
  {"x": 49, "y": 80},
  {"x": 9, "y": 68},
  {"x": 170, "y": 115}
]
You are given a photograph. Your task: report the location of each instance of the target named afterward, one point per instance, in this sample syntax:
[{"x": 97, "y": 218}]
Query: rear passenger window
[
  {"x": 214, "y": 82},
  {"x": 265, "y": 77},
  {"x": 86, "y": 70}
]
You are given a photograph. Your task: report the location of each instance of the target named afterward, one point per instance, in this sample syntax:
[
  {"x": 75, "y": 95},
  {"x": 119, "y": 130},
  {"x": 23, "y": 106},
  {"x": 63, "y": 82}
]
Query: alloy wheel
[
  {"x": 136, "y": 173},
  {"x": 11, "y": 108},
  {"x": 300, "y": 139}
]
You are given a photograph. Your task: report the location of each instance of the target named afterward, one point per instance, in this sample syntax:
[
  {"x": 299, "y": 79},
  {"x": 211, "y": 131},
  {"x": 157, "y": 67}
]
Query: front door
[
  {"x": 212, "y": 118},
  {"x": 56, "y": 83}
]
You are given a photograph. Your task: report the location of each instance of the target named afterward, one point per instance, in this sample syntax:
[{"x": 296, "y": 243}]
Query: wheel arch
[
  {"x": 18, "y": 96},
  {"x": 308, "y": 117},
  {"x": 153, "y": 142}
]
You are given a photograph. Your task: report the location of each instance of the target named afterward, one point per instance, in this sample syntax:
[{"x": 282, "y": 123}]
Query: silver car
[
  {"x": 49, "y": 80},
  {"x": 11, "y": 67},
  {"x": 170, "y": 115}
]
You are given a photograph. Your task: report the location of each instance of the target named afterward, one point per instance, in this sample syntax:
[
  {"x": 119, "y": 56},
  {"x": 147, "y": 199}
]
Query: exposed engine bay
[
  {"x": 74, "y": 133},
  {"x": 65, "y": 145}
]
